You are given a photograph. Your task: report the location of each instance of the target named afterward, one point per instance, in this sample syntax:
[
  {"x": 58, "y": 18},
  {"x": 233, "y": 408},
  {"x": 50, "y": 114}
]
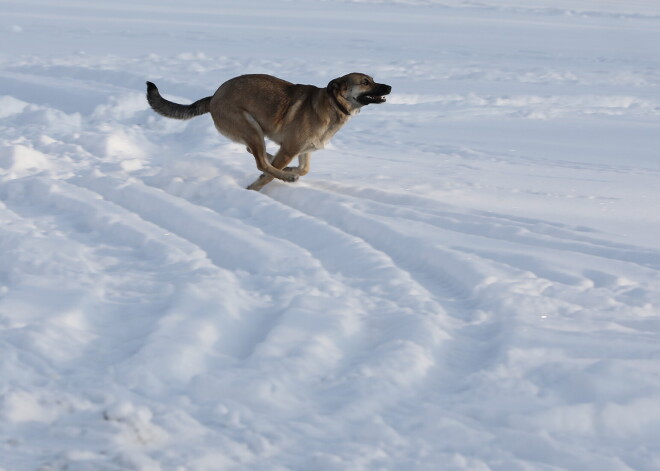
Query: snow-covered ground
[{"x": 468, "y": 279}]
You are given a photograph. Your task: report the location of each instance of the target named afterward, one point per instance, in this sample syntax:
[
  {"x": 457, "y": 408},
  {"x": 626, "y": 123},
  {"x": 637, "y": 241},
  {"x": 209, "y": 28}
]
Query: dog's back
[{"x": 272, "y": 102}]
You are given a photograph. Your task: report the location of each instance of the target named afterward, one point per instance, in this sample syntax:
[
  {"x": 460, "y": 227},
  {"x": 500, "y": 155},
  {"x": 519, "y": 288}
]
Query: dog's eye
[{"x": 365, "y": 82}]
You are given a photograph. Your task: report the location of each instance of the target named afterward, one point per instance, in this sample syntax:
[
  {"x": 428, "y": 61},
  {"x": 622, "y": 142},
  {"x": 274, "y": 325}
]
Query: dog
[{"x": 300, "y": 118}]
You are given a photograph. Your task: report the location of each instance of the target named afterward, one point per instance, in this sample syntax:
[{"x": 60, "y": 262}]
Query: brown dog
[{"x": 300, "y": 118}]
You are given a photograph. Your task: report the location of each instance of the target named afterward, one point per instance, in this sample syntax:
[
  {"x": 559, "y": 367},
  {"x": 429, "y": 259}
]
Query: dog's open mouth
[
  {"x": 369, "y": 98},
  {"x": 376, "y": 95},
  {"x": 375, "y": 98}
]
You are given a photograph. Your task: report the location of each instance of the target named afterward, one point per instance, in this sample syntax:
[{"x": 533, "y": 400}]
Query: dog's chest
[{"x": 321, "y": 138}]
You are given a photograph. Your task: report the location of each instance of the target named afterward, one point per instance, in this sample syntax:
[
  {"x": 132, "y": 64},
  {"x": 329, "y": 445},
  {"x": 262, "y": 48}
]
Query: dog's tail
[{"x": 173, "y": 110}]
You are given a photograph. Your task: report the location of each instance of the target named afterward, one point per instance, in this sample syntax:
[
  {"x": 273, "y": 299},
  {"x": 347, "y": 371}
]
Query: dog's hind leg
[
  {"x": 263, "y": 180},
  {"x": 257, "y": 147},
  {"x": 271, "y": 157}
]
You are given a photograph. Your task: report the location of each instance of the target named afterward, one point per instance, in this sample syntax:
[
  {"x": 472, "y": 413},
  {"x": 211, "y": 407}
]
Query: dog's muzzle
[{"x": 375, "y": 95}]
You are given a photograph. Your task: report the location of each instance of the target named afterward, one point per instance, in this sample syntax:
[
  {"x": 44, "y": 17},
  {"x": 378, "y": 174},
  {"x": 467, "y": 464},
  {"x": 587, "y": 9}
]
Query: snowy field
[{"x": 468, "y": 278}]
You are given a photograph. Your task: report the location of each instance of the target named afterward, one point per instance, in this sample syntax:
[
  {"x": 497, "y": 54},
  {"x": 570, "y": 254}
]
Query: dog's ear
[{"x": 337, "y": 85}]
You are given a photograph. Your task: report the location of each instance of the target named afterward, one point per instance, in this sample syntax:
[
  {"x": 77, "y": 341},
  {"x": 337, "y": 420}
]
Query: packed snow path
[{"x": 468, "y": 279}]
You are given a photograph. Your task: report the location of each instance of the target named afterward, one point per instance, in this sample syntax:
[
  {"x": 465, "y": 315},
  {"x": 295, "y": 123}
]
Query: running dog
[{"x": 300, "y": 118}]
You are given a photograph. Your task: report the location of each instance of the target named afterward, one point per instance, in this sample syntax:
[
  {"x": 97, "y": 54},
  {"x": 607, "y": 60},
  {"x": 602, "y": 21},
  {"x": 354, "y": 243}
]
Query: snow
[{"x": 467, "y": 279}]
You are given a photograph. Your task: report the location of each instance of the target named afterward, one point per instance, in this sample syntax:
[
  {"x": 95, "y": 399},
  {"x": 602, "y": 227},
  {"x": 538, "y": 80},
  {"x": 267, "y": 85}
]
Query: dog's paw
[{"x": 291, "y": 178}]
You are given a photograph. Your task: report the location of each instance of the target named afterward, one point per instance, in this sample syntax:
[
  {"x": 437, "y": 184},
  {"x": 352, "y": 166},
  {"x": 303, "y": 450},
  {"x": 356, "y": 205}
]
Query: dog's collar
[{"x": 341, "y": 107}]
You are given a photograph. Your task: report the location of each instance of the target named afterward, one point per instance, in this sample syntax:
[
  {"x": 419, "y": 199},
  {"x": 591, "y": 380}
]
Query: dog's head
[{"x": 359, "y": 90}]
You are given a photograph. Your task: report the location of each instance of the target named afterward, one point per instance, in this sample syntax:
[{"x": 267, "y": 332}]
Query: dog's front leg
[
  {"x": 303, "y": 165},
  {"x": 280, "y": 161},
  {"x": 265, "y": 163}
]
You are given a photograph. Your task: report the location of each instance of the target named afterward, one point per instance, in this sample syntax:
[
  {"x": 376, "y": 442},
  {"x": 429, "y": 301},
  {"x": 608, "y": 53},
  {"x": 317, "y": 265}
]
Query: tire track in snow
[
  {"x": 224, "y": 241},
  {"x": 447, "y": 275},
  {"x": 459, "y": 280},
  {"x": 570, "y": 267},
  {"x": 402, "y": 318},
  {"x": 408, "y": 251},
  {"x": 323, "y": 329},
  {"x": 227, "y": 241},
  {"x": 341, "y": 254},
  {"x": 519, "y": 230},
  {"x": 396, "y": 317},
  {"x": 503, "y": 288},
  {"x": 510, "y": 333},
  {"x": 153, "y": 266},
  {"x": 479, "y": 335},
  {"x": 89, "y": 212},
  {"x": 103, "y": 346}
]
